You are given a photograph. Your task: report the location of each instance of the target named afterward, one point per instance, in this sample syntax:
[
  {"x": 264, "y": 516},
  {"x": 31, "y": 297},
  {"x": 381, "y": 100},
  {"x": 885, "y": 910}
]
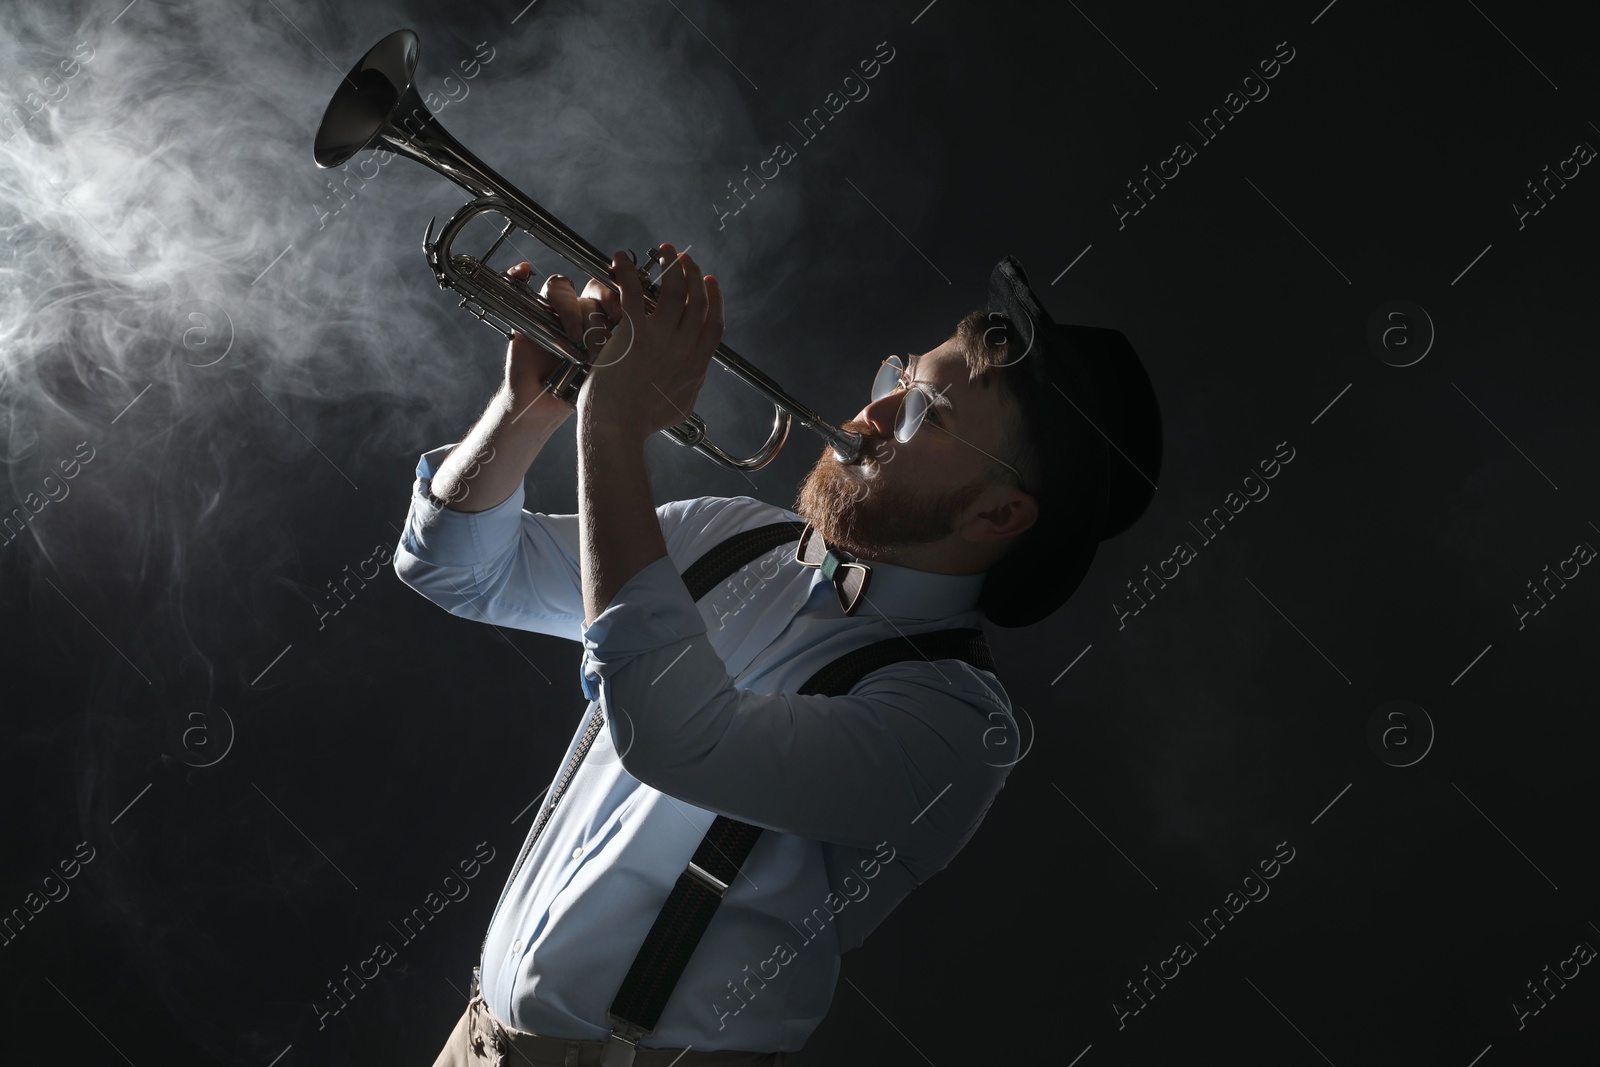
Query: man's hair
[{"x": 981, "y": 340}]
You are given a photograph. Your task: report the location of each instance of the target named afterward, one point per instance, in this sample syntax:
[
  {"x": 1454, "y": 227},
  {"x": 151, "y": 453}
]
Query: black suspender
[
  {"x": 693, "y": 901},
  {"x": 721, "y": 561}
]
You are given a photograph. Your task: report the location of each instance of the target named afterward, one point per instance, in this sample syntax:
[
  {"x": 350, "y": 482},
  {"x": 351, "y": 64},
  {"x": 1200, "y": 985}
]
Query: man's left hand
[{"x": 655, "y": 362}]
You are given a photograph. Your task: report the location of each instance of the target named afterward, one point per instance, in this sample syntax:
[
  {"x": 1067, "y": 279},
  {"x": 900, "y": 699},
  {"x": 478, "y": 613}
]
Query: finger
[
  {"x": 694, "y": 308},
  {"x": 596, "y": 294},
  {"x": 626, "y": 275},
  {"x": 665, "y": 254},
  {"x": 521, "y": 271},
  {"x": 610, "y": 301},
  {"x": 596, "y": 324},
  {"x": 594, "y": 314},
  {"x": 711, "y": 331},
  {"x": 563, "y": 299},
  {"x": 674, "y": 282}
]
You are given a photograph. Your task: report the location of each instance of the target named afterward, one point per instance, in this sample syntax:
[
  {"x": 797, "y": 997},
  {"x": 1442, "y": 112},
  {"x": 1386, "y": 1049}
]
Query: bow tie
[{"x": 849, "y": 578}]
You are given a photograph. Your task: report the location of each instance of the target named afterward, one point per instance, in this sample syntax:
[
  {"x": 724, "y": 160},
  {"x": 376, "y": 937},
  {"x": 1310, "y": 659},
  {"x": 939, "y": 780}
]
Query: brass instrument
[{"x": 377, "y": 105}]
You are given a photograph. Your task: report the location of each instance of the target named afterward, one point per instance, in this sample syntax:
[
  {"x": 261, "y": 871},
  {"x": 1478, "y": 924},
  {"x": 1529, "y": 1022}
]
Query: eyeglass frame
[{"x": 908, "y": 386}]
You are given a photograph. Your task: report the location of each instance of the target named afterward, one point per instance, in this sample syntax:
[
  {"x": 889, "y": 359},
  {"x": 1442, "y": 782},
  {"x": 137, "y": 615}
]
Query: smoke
[
  {"x": 253, "y": 351},
  {"x": 164, "y": 228}
]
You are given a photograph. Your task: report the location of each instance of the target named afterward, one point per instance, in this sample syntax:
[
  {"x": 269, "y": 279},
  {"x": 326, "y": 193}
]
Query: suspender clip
[
  {"x": 622, "y": 1044},
  {"x": 706, "y": 878}
]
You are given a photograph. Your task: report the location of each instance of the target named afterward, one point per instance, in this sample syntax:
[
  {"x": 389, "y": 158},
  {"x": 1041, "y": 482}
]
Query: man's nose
[{"x": 878, "y": 416}]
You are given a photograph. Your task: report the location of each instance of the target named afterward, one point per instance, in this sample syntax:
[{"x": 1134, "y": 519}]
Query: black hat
[{"x": 1090, "y": 402}]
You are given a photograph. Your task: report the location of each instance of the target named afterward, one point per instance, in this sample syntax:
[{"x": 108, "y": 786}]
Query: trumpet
[{"x": 377, "y": 105}]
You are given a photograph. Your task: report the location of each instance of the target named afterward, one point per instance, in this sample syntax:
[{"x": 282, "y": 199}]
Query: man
[{"x": 979, "y": 493}]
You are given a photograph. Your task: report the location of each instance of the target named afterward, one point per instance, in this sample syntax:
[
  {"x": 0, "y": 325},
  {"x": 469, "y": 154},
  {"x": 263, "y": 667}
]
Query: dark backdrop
[{"x": 264, "y": 786}]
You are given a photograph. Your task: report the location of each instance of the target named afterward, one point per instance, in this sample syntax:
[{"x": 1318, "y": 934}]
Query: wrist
[
  {"x": 601, "y": 427},
  {"x": 531, "y": 403}
]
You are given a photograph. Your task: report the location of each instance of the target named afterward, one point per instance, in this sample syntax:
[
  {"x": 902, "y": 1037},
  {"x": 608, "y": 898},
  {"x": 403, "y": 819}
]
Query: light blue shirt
[{"x": 862, "y": 797}]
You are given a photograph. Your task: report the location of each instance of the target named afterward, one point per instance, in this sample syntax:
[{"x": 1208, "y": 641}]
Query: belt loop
[{"x": 574, "y": 1054}]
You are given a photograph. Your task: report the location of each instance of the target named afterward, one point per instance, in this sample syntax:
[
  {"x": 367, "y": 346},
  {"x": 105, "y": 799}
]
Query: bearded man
[{"x": 794, "y": 718}]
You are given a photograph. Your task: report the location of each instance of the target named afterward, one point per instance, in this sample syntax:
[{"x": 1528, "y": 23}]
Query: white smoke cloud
[{"x": 255, "y": 372}]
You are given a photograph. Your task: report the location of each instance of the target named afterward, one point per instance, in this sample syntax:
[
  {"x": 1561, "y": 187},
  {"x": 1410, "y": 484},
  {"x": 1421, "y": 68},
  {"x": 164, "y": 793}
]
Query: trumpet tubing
[{"x": 377, "y": 104}]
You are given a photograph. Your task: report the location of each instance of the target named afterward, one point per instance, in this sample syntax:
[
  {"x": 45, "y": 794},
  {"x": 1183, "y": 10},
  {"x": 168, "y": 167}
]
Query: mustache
[{"x": 872, "y": 446}]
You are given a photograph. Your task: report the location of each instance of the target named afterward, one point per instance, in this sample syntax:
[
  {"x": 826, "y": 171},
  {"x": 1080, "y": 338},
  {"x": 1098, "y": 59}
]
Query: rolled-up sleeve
[
  {"x": 906, "y": 757},
  {"x": 504, "y": 565}
]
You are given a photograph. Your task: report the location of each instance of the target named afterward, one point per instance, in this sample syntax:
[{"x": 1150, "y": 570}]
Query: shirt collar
[{"x": 905, "y": 593}]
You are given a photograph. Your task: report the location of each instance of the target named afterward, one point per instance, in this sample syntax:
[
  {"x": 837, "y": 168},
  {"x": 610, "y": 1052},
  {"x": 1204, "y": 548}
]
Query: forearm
[
  {"x": 494, "y": 457},
  {"x": 620, "y": 531}
]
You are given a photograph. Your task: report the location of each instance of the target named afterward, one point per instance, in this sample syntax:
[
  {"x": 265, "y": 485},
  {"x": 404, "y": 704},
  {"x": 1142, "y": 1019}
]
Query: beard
[{"x": 858, "y": 511}]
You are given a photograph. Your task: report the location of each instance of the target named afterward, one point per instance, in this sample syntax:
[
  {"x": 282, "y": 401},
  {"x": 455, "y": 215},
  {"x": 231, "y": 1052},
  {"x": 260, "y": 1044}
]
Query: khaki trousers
[{"x": 481, "y": 1040}]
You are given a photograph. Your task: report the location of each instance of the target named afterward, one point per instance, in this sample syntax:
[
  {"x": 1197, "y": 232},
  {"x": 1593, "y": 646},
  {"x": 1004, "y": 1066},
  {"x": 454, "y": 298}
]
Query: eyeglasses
[{"x": 917, "y": 398}]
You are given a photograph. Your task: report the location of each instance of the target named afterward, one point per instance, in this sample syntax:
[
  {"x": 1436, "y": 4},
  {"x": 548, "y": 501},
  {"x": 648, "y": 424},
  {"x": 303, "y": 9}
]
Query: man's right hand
[
  {"x": 588, "y": 320},
  {"x": 488, "y": 464}
]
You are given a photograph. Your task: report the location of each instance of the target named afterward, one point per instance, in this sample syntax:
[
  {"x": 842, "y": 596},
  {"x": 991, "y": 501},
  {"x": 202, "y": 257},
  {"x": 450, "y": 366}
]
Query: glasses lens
[
  {"x": 888, "y": 379},
  {"x": 912, "y": 408}
]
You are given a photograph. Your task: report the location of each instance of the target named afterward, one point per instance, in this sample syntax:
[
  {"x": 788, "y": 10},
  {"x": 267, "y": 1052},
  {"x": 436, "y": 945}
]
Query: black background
[{"x": 1175, "y": 754}]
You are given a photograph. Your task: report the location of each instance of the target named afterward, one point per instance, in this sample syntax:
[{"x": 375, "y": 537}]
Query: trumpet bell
[{"x": 374, "y": 90}]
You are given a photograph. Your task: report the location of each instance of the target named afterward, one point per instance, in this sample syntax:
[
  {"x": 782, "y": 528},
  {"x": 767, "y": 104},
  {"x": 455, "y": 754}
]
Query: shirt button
[
  {"x": 577, "y": 852},
  {"x": 516, "y": 946}
]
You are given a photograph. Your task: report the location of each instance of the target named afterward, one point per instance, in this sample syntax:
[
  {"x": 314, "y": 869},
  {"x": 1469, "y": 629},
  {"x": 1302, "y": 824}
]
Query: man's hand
[
  {"x": 656, "y": 360},
  {"x": 492, "y": 460},
  {"x": 587, "y": 320}
]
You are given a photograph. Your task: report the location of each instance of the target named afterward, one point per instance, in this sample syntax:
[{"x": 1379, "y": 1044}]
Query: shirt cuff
[
  {"x": 444, "y": 537},
  {"x": 653, "y": 609}
]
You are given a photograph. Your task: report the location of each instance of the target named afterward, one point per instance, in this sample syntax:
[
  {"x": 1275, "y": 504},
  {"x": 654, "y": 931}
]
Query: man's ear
[{"x": 1009, "y": 513}]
